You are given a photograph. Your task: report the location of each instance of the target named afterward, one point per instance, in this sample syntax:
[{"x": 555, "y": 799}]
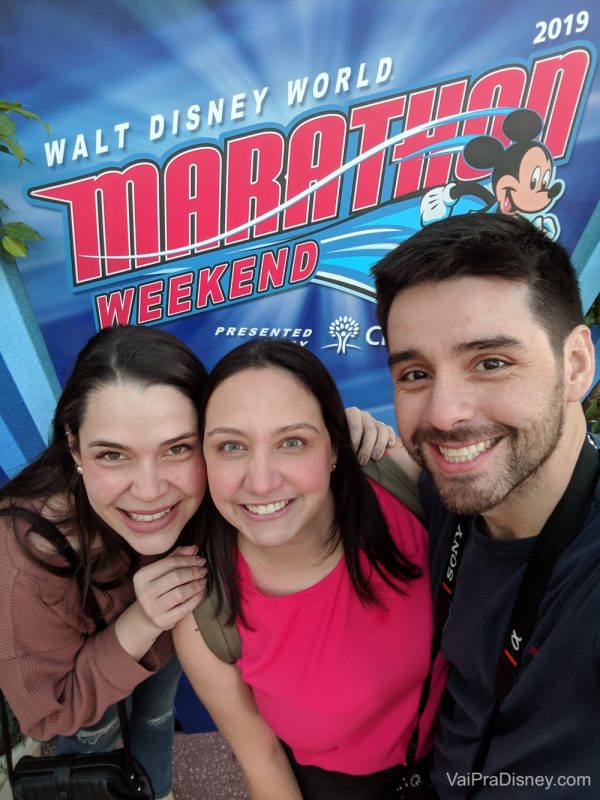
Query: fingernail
[
  {"x": 376, "y": 455},
  {"x": 362, "y": 460}
]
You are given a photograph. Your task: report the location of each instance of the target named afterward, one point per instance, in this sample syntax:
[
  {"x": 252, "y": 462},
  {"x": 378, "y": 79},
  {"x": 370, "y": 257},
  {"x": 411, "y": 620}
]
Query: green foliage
[
  {"x": 13, "y": 235},
  {"x": 593, "y": 315},
  {"x": 592, "y": 403},
  {"x": 16, "y": 735},
  {"x": 592, "y": 409}
]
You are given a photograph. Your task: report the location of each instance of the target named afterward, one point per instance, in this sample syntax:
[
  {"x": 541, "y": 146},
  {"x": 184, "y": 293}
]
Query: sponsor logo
[
  {"x": 342, "y": 330},
  {"x": 345, "y": 328}
]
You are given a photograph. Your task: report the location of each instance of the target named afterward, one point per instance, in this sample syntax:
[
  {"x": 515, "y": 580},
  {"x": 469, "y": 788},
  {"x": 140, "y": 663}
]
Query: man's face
[{"x": 478, "y": 391}]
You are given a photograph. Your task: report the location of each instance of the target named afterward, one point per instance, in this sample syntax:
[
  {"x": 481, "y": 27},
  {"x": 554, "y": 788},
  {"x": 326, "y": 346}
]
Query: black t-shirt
[{"x": 548, "y": 729}]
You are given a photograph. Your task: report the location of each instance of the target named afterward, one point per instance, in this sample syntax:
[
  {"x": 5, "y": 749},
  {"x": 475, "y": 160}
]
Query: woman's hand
[
  {"x": 171, "y": 587},
  {"x": 370, "y": 438},
  {"x": 166, "y": 591}
]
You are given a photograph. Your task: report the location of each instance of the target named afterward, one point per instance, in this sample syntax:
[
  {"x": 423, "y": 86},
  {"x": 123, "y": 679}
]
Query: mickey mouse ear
[
  {"x": 522, "y": 125},
  {"x": 483, "y": 152}
]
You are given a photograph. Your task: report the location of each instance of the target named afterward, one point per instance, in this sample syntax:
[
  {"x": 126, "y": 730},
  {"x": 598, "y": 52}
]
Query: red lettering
[
  {"x": 115, "y": 308},
  {"x": 555, "y": 93},
  {"x": 304, "y": 262},
  {"x": 179, "y": 294},
  {"x": 254, "y": 165},
  {"x": 316, "y": 150},
  {"x": 272, "y": 269},
  {"x": 374, "y": 120},
  {"x": 114, "y": 213},
  {"x": 242, "y": 273},
  {"x": 209, "y": 287},
  {"x": 192, "y": 199},
  {"x": 150, "y": 301},
  {"x": 415, "y": 173}
]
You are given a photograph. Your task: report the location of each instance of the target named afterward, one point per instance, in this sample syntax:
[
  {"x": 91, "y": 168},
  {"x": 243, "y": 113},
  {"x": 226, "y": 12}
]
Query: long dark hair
[
  {"x": 358, "y": 520},
  {"x": 144, "y": 356}
]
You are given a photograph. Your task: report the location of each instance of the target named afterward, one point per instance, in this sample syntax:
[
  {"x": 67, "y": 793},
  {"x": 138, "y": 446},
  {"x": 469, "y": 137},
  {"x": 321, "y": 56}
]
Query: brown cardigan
[{"x": 58, "y": 675}]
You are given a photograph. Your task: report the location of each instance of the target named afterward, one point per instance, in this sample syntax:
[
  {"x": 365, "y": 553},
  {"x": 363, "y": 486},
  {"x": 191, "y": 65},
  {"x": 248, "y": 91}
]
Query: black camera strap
[{"x": 561, "y": 528}]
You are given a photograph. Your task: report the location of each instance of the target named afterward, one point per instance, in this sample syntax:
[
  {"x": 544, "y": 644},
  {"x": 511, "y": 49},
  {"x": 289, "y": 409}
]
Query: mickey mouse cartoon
[{"x": 522, "y": 180}]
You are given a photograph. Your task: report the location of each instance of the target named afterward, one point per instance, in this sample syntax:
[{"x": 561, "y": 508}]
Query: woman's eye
[
  {"x": 111, "y": 455},
  {"x": 178, "y": 449},
  {"x": 293, "y": 442},
  {"x": 491, "y": 364},
  {"x": 230, "y": 447}
]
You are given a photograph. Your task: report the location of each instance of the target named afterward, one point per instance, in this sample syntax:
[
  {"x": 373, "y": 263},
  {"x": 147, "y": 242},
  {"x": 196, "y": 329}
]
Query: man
[{"x": 490, "y": 359}]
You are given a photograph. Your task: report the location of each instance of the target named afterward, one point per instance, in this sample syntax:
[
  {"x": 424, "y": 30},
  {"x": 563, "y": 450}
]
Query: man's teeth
[
  {"x": 270, "y": 508},
  {"x": 148, "y": 517},
  {"x": 456, "y": 454}
]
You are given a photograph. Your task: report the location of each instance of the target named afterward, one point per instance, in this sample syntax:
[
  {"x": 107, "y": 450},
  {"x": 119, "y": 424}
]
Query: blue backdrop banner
[{"x": 233, "y": 169}]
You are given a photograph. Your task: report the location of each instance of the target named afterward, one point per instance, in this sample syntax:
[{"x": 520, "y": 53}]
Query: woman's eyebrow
[
  {"x": 294, "y": 426},
  {"x": 121, "y": 446}
]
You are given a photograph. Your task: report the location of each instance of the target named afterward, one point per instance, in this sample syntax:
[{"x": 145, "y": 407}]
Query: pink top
[{"x": 337, "y": 680}]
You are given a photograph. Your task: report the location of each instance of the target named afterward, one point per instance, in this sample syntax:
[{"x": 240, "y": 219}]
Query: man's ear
[{"x": 579, "y": 363}]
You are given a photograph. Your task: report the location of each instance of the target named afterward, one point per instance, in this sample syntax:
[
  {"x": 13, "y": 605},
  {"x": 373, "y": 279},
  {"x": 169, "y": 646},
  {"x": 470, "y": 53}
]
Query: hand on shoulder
[{"x": 400, "y": 455}]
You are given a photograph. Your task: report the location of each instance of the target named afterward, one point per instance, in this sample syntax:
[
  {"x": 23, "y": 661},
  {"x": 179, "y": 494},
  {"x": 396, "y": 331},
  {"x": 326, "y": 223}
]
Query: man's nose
[{"x": 451, "y": 402}]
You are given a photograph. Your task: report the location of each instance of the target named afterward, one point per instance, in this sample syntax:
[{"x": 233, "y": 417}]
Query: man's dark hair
[{"x": 486, "y": 245}]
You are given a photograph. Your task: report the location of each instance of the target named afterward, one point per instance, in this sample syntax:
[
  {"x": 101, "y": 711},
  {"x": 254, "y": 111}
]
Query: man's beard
[{"x": 528, "y": 449}]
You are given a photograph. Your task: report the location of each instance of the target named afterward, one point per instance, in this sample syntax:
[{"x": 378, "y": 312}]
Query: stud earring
[
  {"x": 333, "y": 466},
  {"x": 79, "y": 469}
]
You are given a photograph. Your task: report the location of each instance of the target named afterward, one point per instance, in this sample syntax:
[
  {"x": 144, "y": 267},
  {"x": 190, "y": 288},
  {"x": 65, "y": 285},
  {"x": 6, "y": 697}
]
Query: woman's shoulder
[
  {"x": 22, "y": 521},
  {"x": 405, "y": 528}
]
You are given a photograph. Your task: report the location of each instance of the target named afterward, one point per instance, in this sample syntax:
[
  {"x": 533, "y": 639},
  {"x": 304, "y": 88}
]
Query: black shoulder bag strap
[
  {"x": 93, "y": 609},
  {"x": 561, "y": 528}
]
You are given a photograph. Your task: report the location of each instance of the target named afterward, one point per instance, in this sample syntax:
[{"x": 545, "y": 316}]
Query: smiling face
[
  {"x": 269, "y": 457},
  {"x": 528, "y": 192},
  {"x": 479, "y": 391},
  {"x": 142, "y": 462}
]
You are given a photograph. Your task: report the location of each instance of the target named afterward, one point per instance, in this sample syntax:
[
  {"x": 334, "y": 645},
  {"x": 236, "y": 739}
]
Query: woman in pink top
[{"x": 327, "y": 579}]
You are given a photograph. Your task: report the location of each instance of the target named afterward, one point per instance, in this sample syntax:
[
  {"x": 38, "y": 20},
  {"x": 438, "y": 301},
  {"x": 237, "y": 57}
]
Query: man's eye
[
  {"x": 490, "y": 364},
  {"x": 412, "y": 376},
  {"x": 293, "y": 442}
]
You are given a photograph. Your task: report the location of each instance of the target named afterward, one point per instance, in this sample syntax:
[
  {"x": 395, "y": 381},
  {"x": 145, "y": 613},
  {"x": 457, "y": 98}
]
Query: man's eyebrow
[
  {"x": 491, "y": 343},
  {"x": 403, "y": 355}
]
